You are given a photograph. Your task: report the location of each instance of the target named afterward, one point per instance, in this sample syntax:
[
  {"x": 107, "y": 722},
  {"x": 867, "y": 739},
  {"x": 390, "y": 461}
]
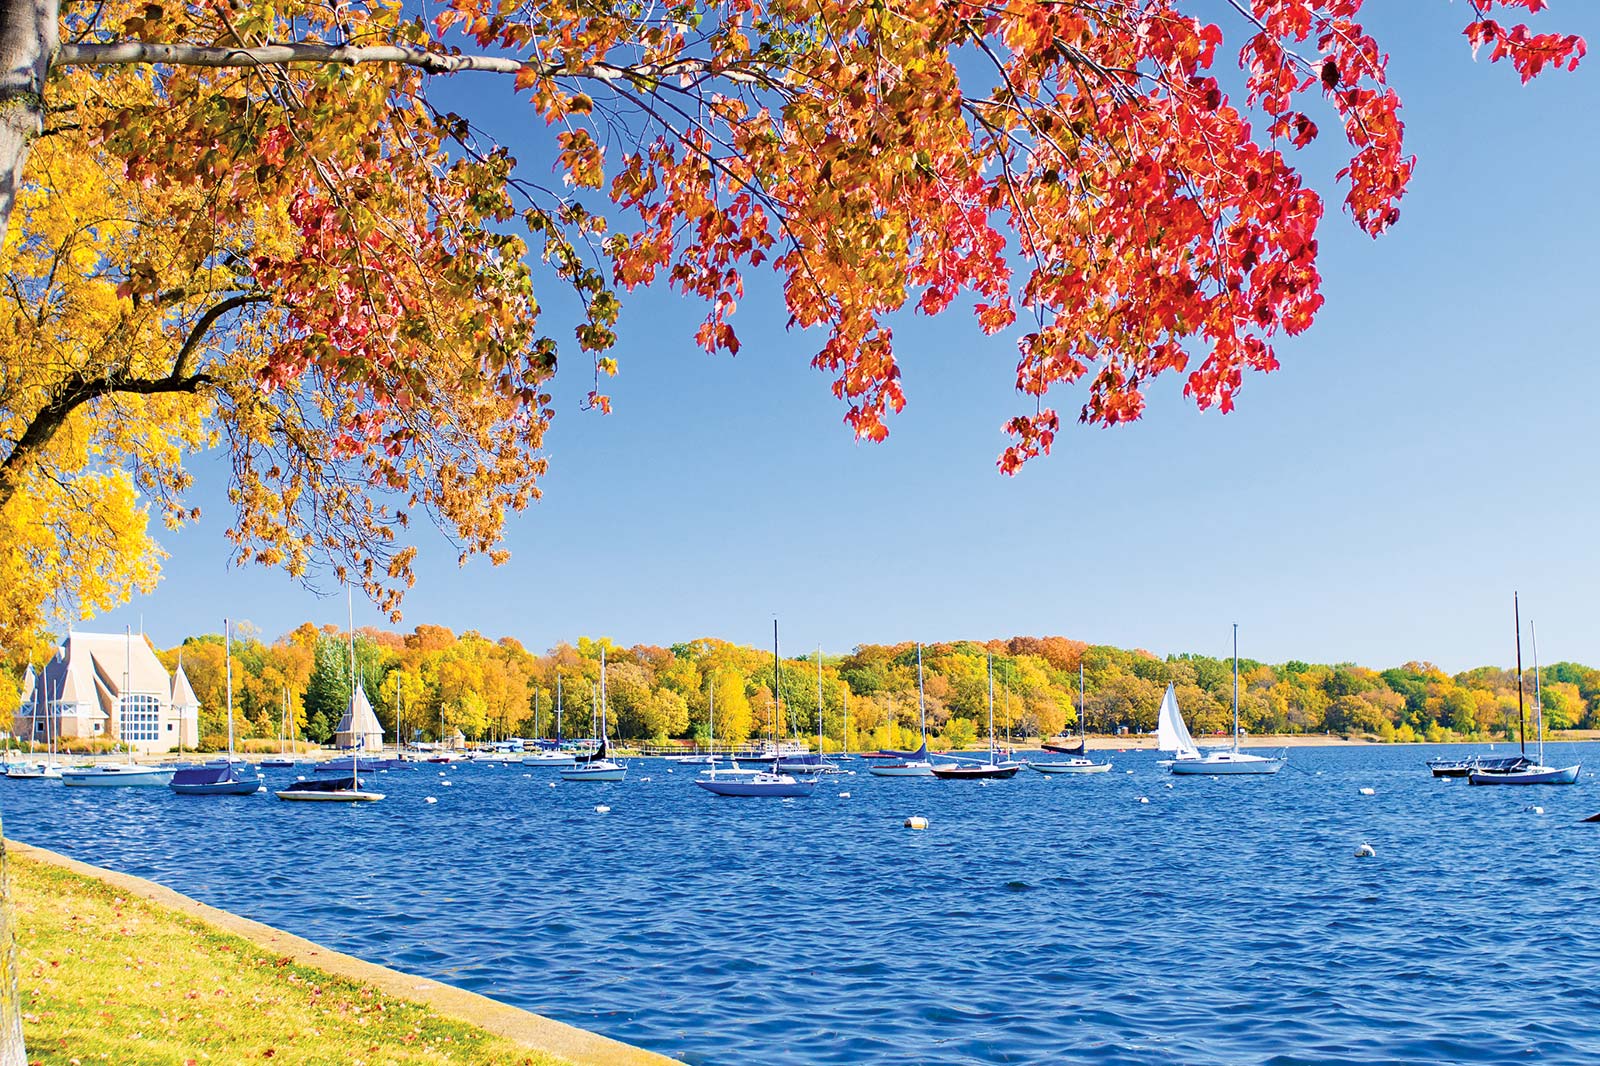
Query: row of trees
[{"x": 433, "y": 682}]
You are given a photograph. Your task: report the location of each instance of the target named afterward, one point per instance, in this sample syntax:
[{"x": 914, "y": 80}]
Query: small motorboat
[
  {"x": 35, "y": 771},
  {"x": 329, "y": 790},
  {"x": 277, "y": 764}
]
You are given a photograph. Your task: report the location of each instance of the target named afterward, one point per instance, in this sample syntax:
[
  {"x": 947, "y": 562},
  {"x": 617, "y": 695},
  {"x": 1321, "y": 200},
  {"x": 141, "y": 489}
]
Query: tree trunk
[
  {"x": 29, "y": 33},
  {"x": 12, "y": 1052}
]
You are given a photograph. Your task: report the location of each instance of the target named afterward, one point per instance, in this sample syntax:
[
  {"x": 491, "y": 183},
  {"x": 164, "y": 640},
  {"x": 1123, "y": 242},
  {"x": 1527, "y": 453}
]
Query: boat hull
[
  {"x": 1063, "y": 749},
  {"x": 331, "y": 797},
  {"x": 1540, "y": 775},
  {"x": 787, "y": 790},
  {"x": 1229, "y": 768},
  {"x": 1070, "y": 768},
  {"x": 237, "y": 779},
  {"x": 595, "y": 773},
  {"x": 975, "y": 773},
  {"x": 901, "y": 770},
  {"x": 152, "y": 777},
  {"x": 277, "y": 764}
]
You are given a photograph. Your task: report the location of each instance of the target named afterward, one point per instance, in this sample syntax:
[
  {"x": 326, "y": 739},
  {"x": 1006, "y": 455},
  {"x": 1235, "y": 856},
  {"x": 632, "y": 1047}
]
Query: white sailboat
[
  {"x": 971, "y": 770},
  {"x": 909, "y": 763},
  {"x": 48, "y": 769},
  {"x": 597, "y": 766},
  {"x": 552, "y": 757},
  {"x": 1224, "y": 760},
  {"x": 1172, "y": 736},
  {"x": 120, "y": 774},
  {"x": 1082, "y": 764},
  {"x": 750, "y": 783}
]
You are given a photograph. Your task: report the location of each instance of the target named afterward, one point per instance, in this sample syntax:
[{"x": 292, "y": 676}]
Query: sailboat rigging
[{"x": 1230, "y": 761}]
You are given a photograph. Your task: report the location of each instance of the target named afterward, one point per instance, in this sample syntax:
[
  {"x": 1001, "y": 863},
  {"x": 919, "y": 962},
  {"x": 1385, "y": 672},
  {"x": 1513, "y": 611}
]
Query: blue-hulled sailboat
[
  {"x": 344, "y": 789},
  {"x": 226, "y": 776}
]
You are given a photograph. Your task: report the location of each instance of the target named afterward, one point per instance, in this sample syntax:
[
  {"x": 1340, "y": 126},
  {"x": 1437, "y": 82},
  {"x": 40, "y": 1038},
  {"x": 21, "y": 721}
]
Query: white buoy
[
  {"x": 1367, "y": 791},
  {"x": 1144, "y": 799},
  {"x": 430, "y": 799},
  {"x": 446, "y": 784},
  {"x": 916, "y": 821},
  {"x": 602, "y": 809},
  {"x": 643, "y": 779},
  {"x": 1128, "y": 771},
  {"x": 1537, "y": 810},
  {"x": 1366, "y": 851},
  {"x": 552, "y": 784},
  {"x": 441, "y": 773},
  {"x": 844, "y": 795},
  {"x": 669, "y": 769},
  {"x": 1169, "y": 784}
]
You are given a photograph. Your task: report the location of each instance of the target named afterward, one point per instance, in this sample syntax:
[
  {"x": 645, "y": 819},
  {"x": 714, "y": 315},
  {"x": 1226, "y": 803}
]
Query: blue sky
[{"x": 1426, "y": 448}]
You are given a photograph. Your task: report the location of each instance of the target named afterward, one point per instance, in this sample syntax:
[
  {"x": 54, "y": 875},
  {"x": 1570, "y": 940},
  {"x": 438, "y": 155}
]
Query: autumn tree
[{"x": 249, "y": 224}]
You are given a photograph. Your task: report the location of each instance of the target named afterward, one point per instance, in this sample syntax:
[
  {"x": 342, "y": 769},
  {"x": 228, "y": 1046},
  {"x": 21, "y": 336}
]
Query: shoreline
[
  {"x": 1096, "y": 742},
  {"x": 531, "y": 1031}
]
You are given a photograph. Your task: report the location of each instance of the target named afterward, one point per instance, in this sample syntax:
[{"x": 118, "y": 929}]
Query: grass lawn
[{"x": 106, "y": 978}]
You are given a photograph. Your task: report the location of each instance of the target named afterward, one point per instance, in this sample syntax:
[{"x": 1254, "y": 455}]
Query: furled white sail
[{"x": 1171, "y": 734}]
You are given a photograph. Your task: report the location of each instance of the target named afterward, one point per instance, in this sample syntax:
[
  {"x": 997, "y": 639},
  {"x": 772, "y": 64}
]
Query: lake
[{"x": 1037, "y": 920}]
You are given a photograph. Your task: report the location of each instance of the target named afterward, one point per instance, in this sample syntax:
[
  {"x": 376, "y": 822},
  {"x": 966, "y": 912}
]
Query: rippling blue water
[{"x": 1036, "y": 920}]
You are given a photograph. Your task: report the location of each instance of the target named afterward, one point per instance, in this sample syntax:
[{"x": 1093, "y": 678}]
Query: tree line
[{"x": 433, "y": 682}]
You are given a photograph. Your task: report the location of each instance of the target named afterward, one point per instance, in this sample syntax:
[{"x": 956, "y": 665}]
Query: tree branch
[
  {"x": 78, "y": 390},
  {"x": 295, "y": 52}
]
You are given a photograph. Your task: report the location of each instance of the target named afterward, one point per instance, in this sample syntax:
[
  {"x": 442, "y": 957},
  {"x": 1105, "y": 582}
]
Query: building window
[{"x": 139, "y": 718}]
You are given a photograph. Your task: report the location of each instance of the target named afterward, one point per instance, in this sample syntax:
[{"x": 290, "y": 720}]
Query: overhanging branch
[{"x": 128, "y": 53}]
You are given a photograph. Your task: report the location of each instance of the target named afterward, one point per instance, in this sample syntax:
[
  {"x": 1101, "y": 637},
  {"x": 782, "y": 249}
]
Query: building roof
[
  {"x": 92, "y": 668},
  {"x": 183, "y": 697}
]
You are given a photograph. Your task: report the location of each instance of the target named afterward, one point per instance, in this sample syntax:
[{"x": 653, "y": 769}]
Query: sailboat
[
  {"x": 1224, "y": 760},
  {"x": 49, "y": 769},
  {"x": 1079, "y": 764},
  {"x": 964, "y": 770},
  {"x": 1519, "y": 769},
  {"x": 227, "y": 776},
  {"x": 551, "y": 757},
  {"x": 805, "y": 762},
  {"x": 283, "y": 760},
  {"x": 751, "y": 783},
  {"x": 120, "y": 774},
  {"x": 339, "y": 789},
  {"x": 598, "y": 764},
  {"x": 908, "y": 763},
  {"x": 1062, "y": 744},
  {"x": 1172, "y": 736}
]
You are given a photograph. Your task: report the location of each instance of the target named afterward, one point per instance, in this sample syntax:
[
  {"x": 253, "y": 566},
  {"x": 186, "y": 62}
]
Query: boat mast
[
  {"x": 1522, "y": 726},
  {"x": 844, "y": 727},
  {"x": 711, "y": 710},
  {"x": 1236, "y": 686},
  {"x": 1083, "y": 727},
  {"x": 227, "y": 666},
  {"x": 991, "y": 708},
  {"x": 558, "y": 709},
  {"x": 127, "y": 672},
  {"x": 776, "y": 702},
  {"x": 1538, "y": 695},
  {"x": 922, "y": 712},
  {"x": 819, "y": 702},
  {"x": 356, "y": 738},
  {"x": 603, "y": 729}
]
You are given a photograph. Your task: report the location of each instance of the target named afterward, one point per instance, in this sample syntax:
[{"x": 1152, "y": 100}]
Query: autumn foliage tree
[{"x": 245, "y": 223}]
